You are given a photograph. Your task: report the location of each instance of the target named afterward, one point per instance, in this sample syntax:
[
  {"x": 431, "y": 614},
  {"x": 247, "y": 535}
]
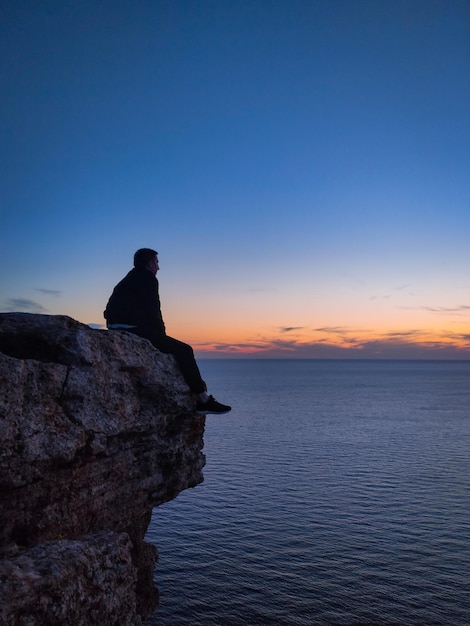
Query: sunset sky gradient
[{"x": 302, "y": 167}]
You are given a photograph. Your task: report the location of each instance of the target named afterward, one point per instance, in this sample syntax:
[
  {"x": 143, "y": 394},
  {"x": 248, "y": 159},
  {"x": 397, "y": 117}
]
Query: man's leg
[{"x": 184, "y": 356}]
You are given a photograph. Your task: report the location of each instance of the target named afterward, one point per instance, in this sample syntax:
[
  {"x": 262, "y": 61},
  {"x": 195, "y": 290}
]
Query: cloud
[
  {"x": 323, "y": 350},
  {"x": 460, "y": 308},
  {"x": 344, "y": 343},
  {"x": 342, "y": 333},
  {"x": 332, "y": 329},
  {"x": 50, "y": 292},
  {"x": 401, "y": 334},
  {"x": 459, "y": 337},
  {"x": 443, "y": 309},
  {"x": 289, "y": 329},
  {"x": 24, "y": 305}
]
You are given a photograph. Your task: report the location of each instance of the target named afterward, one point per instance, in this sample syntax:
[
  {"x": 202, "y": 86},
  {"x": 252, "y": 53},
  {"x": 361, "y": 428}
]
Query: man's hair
[{"x": 144, "y": 256}]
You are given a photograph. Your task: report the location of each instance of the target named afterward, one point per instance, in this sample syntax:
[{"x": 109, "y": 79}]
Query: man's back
[{"x": 135, "y": 301}]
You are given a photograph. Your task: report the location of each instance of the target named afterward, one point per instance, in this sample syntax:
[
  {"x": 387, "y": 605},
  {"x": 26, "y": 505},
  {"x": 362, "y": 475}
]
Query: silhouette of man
[{"x": 134, "y": 306}]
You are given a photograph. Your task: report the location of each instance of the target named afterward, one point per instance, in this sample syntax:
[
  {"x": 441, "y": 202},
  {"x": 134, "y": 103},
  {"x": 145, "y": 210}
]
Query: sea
[{"x": 335, "y": 492}]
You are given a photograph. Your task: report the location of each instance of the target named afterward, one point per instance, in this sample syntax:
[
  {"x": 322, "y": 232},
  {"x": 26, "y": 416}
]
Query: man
[{"x": 135, "y": 306}]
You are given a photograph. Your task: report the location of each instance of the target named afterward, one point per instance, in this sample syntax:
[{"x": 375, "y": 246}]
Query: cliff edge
[{"x": 96, "y": 428}]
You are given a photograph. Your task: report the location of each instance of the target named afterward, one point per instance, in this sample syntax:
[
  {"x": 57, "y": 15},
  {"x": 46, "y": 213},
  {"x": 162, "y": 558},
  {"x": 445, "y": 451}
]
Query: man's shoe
[{"x": 212, "y": 407}]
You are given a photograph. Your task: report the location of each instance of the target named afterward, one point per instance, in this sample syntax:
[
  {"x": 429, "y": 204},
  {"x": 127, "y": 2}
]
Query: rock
[
  {"x": 97, "y": 428},
  {"x": 68, "y": 582}
]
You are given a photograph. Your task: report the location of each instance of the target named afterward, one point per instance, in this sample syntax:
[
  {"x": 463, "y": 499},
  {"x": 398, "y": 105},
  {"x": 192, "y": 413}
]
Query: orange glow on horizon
[
  {"x": 402, "y": 332},
  {"x": 294, "y": 342}
]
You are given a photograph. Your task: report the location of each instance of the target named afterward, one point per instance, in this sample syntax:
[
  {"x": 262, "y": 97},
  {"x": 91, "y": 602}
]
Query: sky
[{"x": 301, "y": 166}]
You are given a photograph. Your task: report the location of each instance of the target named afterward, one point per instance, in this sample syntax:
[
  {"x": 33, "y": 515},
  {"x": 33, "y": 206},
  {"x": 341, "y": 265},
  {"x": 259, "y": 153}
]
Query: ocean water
[{"x": 335, "y": 492}]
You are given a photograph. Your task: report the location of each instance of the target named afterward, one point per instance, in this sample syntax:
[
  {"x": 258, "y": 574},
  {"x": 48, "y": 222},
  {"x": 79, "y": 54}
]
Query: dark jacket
[{"x": 135, "y": 301}]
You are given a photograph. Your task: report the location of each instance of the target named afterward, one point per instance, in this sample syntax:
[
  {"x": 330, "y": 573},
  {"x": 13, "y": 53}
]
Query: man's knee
[
  {"x": 185, "y": 350},
  {"x": 178, "y": 348}
]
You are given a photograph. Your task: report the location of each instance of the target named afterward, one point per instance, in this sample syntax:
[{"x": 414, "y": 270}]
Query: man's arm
[{"x": 150, "y": 308}]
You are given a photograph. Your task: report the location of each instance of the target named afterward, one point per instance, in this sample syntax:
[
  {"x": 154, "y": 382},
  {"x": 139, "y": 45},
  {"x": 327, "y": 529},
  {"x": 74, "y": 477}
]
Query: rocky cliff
[{"x": 96, "y": 428}]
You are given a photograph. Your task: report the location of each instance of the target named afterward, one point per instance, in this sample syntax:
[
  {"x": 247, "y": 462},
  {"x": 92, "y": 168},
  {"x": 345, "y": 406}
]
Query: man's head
[{"x": 146, "y": 258}]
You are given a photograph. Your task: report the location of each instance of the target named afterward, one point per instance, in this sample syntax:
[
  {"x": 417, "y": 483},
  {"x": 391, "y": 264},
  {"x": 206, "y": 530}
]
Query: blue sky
[{"x": 302, "y": 168}]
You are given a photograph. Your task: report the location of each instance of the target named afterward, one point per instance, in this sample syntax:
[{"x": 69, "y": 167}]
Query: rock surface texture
[{"x": 96, "y": 428}]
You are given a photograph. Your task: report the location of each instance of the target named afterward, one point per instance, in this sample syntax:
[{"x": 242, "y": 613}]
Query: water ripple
[{"x": 335, "y": 493}]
